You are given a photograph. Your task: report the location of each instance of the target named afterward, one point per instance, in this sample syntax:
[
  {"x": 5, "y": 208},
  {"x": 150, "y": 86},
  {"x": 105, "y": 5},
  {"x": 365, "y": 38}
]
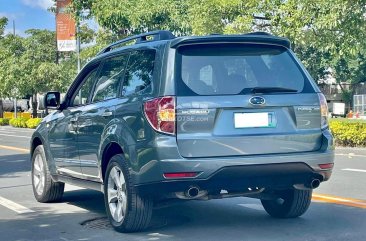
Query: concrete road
[{"x": 338, "y": 211}]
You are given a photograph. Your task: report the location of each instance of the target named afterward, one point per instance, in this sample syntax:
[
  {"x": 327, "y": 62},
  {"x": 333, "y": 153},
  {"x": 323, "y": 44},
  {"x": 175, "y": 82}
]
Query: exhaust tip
[
  {"x": 315, "y": 183},
  {"x": 192, "y": 192}
]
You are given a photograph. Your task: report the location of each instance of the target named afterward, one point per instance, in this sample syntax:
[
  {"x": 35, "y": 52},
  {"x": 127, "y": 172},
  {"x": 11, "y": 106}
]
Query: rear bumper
[
  {"x": 239, "y": 178},
  {"x": 271, "y": 171},
  {"x": 237, "y": 174},
  {"x": 154, "y": 170}
]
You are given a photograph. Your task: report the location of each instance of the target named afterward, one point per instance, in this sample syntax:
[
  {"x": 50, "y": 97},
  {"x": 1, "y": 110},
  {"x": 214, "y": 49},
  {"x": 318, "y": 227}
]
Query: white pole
[
  {"x": 15, "y": 99},
  {"x": 15, "y": 107},
  {"x": 78, "y": 51},
  {"x": 78, "y": 46}
]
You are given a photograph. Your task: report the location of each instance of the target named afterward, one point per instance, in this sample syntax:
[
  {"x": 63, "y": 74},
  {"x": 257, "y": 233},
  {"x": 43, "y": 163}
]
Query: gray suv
[{"x": 156, "y": 117}]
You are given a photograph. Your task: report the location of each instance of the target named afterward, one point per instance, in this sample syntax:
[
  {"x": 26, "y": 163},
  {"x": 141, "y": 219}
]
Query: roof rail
[{"x": 156, "y": 36}]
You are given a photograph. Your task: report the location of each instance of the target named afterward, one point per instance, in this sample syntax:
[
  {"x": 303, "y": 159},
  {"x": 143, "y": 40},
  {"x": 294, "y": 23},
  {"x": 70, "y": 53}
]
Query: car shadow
[
  {"x": 11, "y": 164},
  {"x": 86, "y": 199},
  {"x": 227, "y": 219},
  {"x": 235, "y": 219}
]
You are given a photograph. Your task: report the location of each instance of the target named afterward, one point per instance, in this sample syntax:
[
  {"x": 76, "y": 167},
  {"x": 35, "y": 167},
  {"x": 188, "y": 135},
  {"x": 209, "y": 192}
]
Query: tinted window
[
  {"x": 139, "y": 72},
  {"x": 85, "y": 89},
  {"x": 234, "y": 69},
  {"x": 109, "y": 78}
]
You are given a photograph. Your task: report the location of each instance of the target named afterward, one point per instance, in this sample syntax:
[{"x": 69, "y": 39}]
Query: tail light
[
  {"x": 323, "y": 111},
  {"x": 160, "y": 113}
]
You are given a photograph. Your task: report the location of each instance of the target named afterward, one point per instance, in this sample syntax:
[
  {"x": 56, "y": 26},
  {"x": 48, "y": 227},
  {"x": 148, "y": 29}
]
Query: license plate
[{"x": 247, "y": 120}]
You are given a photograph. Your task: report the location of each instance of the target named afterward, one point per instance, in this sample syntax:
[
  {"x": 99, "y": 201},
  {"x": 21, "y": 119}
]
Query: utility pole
[
  {"x": 78, "y": 44},
  {"x": 78, "y": 51},
  {"x": 57, "y": 53},
  {"x": 15, "y": 99}
]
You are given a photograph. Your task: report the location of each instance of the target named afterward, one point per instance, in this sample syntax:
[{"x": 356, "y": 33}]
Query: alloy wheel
[
  {"x": 38, "y": 175},
  {"x": 117, "y": 194}
]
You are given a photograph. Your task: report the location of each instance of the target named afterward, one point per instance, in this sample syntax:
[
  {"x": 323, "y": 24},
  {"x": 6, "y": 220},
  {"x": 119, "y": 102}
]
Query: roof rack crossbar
[{"x": 144, "y": 37}]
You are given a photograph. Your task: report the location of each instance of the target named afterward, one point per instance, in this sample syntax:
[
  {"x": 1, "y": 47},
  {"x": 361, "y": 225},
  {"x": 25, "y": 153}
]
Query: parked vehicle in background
[
  {"x": 337, "y": 109},
  {"x": 8, "y": 105},
  {"x": 156, "y": 117}
]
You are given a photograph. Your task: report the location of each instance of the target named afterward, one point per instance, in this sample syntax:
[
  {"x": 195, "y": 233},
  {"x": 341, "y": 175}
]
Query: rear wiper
[{"x": 256, "y": 90}]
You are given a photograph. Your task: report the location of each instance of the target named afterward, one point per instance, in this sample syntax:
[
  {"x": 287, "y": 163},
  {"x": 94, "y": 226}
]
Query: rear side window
[
  {"x": 234, "y": 69},
  {"x": 139, "y": 72},
  {"x": 109, "y": 78}
]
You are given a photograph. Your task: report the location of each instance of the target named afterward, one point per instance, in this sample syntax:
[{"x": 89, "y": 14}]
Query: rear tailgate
[
  {"x": 221, "y": 113},
  {"x": 206, "y": 125}
]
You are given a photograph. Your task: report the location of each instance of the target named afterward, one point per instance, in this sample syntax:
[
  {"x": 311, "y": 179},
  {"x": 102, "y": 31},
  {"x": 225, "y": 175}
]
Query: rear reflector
[
  {"x": 326, "y": 166},
  {"x": 180, "y": 174}
]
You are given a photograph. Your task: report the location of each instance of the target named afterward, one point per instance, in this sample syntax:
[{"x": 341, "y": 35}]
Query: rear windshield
[{"x": 235, "y": 69}]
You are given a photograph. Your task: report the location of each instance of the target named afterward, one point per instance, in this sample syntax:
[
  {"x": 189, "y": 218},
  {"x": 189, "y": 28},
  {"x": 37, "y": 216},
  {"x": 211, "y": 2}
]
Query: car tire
[
  {"x": 44, "y": 188},
  {"x": 127, "y": 211},
  {"x": 291, "y": 203}
]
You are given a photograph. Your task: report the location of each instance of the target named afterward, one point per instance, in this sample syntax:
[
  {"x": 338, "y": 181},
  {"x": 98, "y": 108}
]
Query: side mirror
[{"x": 52, "y": 100}]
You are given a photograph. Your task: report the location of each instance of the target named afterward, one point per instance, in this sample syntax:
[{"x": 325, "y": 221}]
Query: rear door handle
[{"x": 107, "y": 113}]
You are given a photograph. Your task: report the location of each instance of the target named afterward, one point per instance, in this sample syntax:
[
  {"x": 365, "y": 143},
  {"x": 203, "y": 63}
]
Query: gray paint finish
[{"x": 205, "y": 125}]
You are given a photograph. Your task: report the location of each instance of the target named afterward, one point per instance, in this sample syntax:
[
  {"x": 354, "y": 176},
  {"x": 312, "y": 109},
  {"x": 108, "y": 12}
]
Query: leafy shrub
[
  {"x": 33, "y": 123},
  {"x": 348, "y": 132},
  {"x": 4, "y": 121},
  {"x": 18, "y": 122},
  {"x": 25, "y": 122}
]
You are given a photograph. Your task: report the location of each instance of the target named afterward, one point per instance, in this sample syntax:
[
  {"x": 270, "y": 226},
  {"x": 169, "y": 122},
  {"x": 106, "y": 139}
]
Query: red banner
[{"x": 65, "y": 27}]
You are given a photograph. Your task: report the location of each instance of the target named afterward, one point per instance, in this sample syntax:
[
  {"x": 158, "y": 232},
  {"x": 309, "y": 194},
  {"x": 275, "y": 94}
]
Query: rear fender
[{"x": 113, "y": 133}]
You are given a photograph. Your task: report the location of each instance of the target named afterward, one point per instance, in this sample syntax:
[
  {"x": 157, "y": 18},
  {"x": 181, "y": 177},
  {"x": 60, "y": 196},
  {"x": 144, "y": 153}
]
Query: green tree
[
  {"x": 325, "y": 34},
  {"x": 125, "y": 17},
  {"x": 29, "y": 66},
  {"x": 102, "y": 39},
  {"x": 3, "y": 23},
  {"x": 11, "y": 48},
  {"x": 87, "y": 34}
]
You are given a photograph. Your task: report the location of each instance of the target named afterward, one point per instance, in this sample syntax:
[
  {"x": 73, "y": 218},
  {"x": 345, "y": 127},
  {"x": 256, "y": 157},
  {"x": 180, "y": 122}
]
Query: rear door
[{"x": 244, "y": 99}]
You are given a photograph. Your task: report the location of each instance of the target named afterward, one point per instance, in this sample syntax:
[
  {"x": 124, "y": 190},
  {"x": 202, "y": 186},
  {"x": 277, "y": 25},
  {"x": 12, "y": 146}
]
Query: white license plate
[{"x": 246, "y": 120}]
